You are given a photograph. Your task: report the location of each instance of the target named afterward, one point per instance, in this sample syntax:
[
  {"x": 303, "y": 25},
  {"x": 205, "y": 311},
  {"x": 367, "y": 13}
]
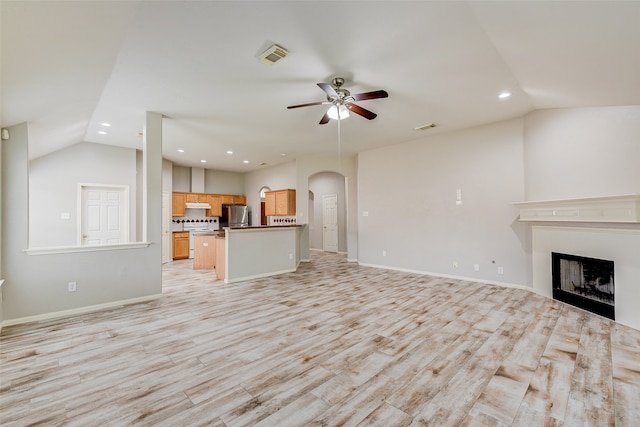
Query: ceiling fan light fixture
[
  {"x": 338, "y": 113},
  {"x": 272, "y": 55}
]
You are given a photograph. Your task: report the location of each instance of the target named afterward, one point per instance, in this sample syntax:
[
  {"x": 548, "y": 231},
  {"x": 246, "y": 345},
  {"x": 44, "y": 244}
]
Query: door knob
[{"x": 84, "y": 236}]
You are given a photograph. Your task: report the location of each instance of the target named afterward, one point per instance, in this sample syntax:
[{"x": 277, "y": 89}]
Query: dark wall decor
[{"x": 584, "y": 282}]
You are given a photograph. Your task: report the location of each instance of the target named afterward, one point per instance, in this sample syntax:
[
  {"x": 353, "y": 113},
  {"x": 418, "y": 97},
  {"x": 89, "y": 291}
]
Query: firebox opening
[{"x": 584, "y": 282}]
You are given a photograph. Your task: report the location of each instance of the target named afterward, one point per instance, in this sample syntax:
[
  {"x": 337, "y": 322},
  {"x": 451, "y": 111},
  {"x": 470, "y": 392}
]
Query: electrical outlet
[
  {"x": 290, "y": 256},
  {"x": 455, "y": 264},
  {"x": 500, "y": 270},
  {"x": 476, "y": 267},
  {"x": 71, "y": 286},
  {"x": 384, "y": 253}
]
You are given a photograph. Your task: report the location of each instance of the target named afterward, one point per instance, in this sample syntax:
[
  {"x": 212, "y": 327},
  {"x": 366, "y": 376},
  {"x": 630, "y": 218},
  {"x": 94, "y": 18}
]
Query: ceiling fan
[{"x": 342, "y": 101}]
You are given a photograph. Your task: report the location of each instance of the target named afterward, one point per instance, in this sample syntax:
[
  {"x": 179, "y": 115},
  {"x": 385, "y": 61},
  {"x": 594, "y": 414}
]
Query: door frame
[{"x": 123, "y": 189}]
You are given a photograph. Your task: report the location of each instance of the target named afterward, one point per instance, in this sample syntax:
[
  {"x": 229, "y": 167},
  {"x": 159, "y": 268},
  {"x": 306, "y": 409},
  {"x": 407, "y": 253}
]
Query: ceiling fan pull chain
[{"x": 339, "y": 145}]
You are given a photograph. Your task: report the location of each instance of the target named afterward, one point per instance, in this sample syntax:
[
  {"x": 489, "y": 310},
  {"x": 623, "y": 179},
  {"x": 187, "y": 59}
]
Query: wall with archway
[
  {"x": 346, "y": 166},
  {"x": 296, "y": 175}
]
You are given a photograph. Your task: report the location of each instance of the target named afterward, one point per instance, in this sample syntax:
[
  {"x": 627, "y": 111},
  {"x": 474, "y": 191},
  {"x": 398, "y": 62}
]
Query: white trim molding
[{"x": 621, "y": 209}]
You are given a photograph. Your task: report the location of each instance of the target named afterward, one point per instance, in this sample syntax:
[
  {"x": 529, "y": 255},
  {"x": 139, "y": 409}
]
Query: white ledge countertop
[
  {"x": 87, "y": 248},
  {"x": 622, "y": 209}
]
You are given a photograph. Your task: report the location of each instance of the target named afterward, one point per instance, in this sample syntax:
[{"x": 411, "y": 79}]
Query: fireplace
[{"x": 584, "y": 282}]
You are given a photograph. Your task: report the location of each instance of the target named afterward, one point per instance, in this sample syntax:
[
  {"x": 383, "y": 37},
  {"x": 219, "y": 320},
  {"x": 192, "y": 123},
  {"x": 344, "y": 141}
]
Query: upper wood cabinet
[
  {"x": 270, "y": 203},
  {"x": 227, "y": 199},
  {"x": 196, "y": 198},
  {"x": 215, "y": 201},
  {"x": 280, "y": 203},
  {"x": 178, "y": 206}
]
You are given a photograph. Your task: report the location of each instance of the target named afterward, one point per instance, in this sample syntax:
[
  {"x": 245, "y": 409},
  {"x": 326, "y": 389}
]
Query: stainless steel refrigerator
[{"x": 234, "y": 216}]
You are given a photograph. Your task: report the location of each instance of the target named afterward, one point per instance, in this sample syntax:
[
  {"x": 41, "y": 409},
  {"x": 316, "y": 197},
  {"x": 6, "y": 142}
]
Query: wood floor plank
[{"x": 332, "y": 344}]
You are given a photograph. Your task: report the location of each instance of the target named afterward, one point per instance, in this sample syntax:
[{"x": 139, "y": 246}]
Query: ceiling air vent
[{"x": 272, "y": 55}]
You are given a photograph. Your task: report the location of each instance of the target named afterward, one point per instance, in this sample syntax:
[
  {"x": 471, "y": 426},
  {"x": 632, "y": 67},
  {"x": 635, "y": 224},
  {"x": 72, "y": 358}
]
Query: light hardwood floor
[{"x": 332, "y": 344}]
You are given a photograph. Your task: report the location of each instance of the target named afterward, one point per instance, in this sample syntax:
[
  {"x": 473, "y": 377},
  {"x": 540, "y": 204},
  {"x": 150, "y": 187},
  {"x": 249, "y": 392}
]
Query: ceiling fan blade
[
  {"x": 361, "y": 111},
  {"x": 325, "y": 119},
  {"x": 329, "y": 90},
  {"x": 308, "y": 105},
  {"x": 370, "y": 95}
]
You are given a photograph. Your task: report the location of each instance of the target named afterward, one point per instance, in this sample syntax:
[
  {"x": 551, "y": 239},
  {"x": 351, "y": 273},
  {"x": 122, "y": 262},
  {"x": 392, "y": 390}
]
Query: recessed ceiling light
[
  {"x": 229, "y": 152},
  {"x": 105, "y": 124},
  {"x": 504, "y": 95},
  {"x": 180, "y": 150},
  {"x": 284, "y": 154},
  {"x": 245, "y": 161},
  {"x": 101, "y": 132},
  {"x": 203, "y": 161}
]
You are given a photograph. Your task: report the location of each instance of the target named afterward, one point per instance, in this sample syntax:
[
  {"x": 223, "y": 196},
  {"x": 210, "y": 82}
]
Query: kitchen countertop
[{"x": 254, "y": 227}]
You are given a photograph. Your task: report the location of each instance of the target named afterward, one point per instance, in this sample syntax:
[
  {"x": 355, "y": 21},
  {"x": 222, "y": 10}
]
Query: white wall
[
  {"x": 36, "y": 285},
  {"x": 278, "y": 177},
  {"x": 321, "y": 184},
  {"x": 408, "y": 192},
  {"x": 582, "y": 152},
  {"x": 222, "y": 182},
  {"x": 181, "y": 179},
  {"x": 53, "y": 188}
]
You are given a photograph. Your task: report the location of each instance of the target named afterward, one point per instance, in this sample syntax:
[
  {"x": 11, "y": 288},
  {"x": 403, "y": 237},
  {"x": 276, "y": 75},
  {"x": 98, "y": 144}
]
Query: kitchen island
[{"x": 261, "y": 251}]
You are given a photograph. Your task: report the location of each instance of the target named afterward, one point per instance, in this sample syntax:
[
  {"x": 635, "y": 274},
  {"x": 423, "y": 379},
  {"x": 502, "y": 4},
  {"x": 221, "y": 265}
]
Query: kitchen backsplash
[
  {"x": 282, "y": 220},
  {"x": 178, "y": 222}
]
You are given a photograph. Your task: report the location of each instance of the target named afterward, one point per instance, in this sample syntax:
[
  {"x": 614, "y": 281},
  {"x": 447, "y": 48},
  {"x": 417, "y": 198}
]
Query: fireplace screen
[{"x": 584, "y": 282}]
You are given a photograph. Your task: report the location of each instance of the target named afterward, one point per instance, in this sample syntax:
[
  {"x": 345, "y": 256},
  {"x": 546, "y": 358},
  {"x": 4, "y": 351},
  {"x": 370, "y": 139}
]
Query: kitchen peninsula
[{"x": 261, "y": 251}]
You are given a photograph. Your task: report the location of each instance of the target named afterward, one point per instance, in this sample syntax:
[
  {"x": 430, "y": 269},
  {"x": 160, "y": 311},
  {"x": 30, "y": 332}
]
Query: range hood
[{"x": 191, "y": 205}]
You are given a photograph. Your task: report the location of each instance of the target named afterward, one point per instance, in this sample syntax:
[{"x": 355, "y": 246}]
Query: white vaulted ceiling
[{"x": 69, "y": 66}]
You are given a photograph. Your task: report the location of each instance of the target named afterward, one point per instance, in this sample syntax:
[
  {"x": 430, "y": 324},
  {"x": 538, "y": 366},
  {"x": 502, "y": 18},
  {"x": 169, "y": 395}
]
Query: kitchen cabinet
[
  {"x": 270, "y": 203},
  {"x": 178, "y": 207},
  {"x": 280, "y": 203},
  {"x": 196, "y": 198},
  {"x": 204, "y": 256},
  {"x": 180, "y": 244},
  {"x": 221, "y": 255},
  {"x": 215, "y": 201},
  {"x": 227, "y": 199}
]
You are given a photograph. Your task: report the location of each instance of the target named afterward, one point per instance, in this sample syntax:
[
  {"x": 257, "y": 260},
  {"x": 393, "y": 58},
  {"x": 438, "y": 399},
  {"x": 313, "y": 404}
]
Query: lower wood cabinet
[
  {"x": 221, "y": 255},
  {"x": 204, "y": 253},
  {"x": 180, "y": 244}
]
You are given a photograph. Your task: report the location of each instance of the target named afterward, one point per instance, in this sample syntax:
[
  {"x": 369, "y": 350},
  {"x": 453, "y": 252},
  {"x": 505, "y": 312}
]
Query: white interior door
[
  {"x": 104, "y": 215},
  {"x": 330, "y": 223},
  {"x": 166, "y": 226}
]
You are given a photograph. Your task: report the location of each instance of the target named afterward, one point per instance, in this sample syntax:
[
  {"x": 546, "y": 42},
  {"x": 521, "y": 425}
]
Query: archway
[{"x": 327, "y": 186}]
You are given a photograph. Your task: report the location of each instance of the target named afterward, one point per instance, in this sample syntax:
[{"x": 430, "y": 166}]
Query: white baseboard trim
[
  {"x": 259, "y": 276},
  {"x": 447, "y": 276},
  {"x": 79, "y": 310}
]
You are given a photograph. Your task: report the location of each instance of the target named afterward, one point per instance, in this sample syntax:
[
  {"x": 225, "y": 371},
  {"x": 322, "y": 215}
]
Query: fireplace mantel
[{"x": 623, "y": 209}]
